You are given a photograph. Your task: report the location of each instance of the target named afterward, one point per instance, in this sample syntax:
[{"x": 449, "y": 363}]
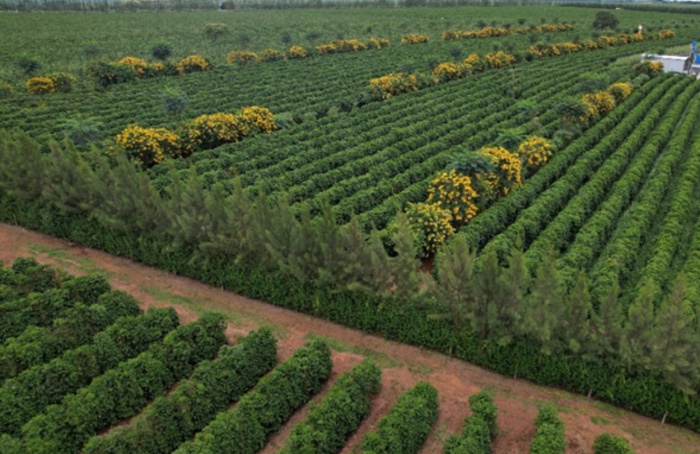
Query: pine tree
[
  {"x": 607, "y": 325},
  {"x": 575, "y": 327},
  {"x": 332, "y": 255},
  {"x": 23, "y": 166},
  {"x": 541, "y": 313},
  {"x": 188, "y": 218},
  {"x": 515, "y": 281},
  {"x": 635, "y": 344},
  {"x": 454, "y": 289},
  {"x": 379, "y": 265},
  {"x": 356, "y": 270},
  {"x": 674, "y": 343},
  {"x": 128, "y": 202},
  {"x": 68, "y": 180},
  {"x": 488, "y": 295},
  {"x": 404, "y": 267}
]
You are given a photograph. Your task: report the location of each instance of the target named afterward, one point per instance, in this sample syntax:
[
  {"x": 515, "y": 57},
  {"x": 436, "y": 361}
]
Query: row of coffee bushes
[
  {"x": 479, "y": 429},
  {"x": 407, "y": 425},
  {"x": 120, "y": 392},
  {"x": 32, "y": 391},
  {"x": 214, "y": 385},
  {"x": 49, "y": 298},
  {"x": 549, "y": 435},
  {"x": 76, "y": 326},
  {"x": 261, "y": 412},
  {"x": 328, "y": 425}
]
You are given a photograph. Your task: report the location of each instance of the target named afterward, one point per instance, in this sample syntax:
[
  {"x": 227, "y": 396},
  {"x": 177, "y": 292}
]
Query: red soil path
[{"x": 402, "y": 365}]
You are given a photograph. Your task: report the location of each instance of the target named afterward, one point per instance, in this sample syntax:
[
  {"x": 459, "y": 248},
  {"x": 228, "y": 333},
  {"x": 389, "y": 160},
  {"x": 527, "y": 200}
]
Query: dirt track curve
[{"x": 402, "y": 365}]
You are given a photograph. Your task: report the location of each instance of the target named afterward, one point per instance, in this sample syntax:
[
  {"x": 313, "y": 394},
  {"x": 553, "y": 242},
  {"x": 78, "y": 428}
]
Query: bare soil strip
[{"x": 402, "y": 365}]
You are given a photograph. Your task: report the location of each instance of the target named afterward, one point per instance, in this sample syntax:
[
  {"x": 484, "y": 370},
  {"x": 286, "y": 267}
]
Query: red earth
[{"x": 402, "y": 365}]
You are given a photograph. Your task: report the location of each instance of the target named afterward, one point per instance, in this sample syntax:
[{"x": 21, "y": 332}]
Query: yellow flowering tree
[
  {"x": 242, "y": 57},
  {"x": 431, "y": 224},
  {"x": 448, "y": 71},
  {"x": 296, "y": 52},
  {"x": 455, "y": 193},
  {"x": 620, "y": 91},
  {"x": 413, "y": 38},
  {"x": 651, "y": 68},
  {"x": 258, "y": 119},
  {"x": 212, "y": 130},
  {"x": 377, "y": 43},
  {"x": 535, "y": 151},
  {"x": 508, "y": 173},
  {"x": 192, "y": 63},
  {"x": 137, "y": 65},
  {"x": 598, "y": 103},
  {"x": 271, "y": 55},
  {"x": 40, "y": 85},
  {"x": 393, "y": 84},
  {"x": 473, "y": 63},
  {"x": 499, "y": 60},
  {"x": 149, "y": 146}
]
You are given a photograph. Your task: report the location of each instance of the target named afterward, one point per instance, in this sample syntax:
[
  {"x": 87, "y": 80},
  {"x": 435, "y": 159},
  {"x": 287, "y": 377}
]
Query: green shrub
[
  {"x": 125, "y": 389},
  {"x": 341, "y": 412},
  {"x": 214, "y": 385},
  {"x": 30, "y": 392},
  {"x": 549, "y": 436},
  {"x": 610, "y": 444},
  {"x": 407, "y": 425},
  {"x": 244, "y": 430}
]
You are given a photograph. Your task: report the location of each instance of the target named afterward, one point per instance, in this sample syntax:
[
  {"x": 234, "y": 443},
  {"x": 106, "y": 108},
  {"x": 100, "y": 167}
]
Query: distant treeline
[
  {"x": 659, "y": 7},
  {"x": 189, "y": 5}
]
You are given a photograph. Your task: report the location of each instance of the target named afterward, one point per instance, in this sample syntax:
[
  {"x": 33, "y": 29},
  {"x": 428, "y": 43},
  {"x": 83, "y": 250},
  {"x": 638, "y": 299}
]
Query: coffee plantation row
[
  {"x": 126, "y": 372},
  {"x": 543, "y": 283}
]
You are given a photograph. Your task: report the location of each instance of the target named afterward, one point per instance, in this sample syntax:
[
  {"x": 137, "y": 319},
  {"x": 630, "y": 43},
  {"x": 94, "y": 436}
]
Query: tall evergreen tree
[
  {"x": 515, "y": 281},
  {"x": 575, "y": 327},
  {"x": 542, "y": 310},
  {"x": 607, "y": 325},
  {"x": 68, "y": 180},
  {"x": 189, "y": 220},
  {"x": 23, "y": 166},
  {"x": 637, "y": 334},
  {"x": 488, "y": 296},
  {"x": 674, "y": 344},
  {"x": 128, "y": 202},
  {"x": 454, "y": 288},
  {"x": 404, "y": 267}
]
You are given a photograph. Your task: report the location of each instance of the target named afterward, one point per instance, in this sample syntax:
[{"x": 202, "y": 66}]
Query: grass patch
[
  {"x": 199, "y": 306},
  {"x": 381, "y": 359},
  {"x": 599, "y": 420},
  {"x": 64, "y": 259}
]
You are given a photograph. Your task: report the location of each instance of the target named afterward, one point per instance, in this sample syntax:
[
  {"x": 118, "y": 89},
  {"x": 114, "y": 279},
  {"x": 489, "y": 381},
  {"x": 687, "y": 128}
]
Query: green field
[{"x": 585, "y": 276}]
